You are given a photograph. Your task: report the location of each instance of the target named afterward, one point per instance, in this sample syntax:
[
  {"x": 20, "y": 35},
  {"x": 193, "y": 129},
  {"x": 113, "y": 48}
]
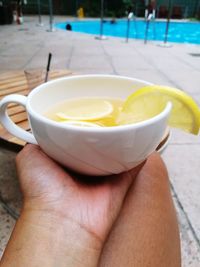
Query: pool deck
[{"x": 27, "y": 46}]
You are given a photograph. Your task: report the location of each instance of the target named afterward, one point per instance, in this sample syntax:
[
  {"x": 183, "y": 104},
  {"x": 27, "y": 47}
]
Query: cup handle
[{"x": 8, "y": 124}]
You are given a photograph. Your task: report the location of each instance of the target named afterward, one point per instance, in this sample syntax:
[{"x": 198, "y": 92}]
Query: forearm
[{"x": 42, "y": 240}]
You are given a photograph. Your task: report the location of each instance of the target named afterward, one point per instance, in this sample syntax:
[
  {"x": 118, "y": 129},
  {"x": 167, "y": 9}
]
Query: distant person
[
  {"x": 19, "y": 17},
  {"x": 113, "y": 21},
  {"x": 68, "y": 27},
  {"x": 80, "y": 13},
  {"x": 149, "y": 10},
  {"x": 129, "y": 10}
]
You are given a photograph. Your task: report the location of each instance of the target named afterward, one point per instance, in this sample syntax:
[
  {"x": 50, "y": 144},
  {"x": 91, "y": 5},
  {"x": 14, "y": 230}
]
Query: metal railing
[{"x": 150, "y": 18}]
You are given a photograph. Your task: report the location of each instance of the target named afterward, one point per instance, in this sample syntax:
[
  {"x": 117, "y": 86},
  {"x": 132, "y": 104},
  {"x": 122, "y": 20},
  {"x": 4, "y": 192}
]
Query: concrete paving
[{"x": 27, "y": 46}]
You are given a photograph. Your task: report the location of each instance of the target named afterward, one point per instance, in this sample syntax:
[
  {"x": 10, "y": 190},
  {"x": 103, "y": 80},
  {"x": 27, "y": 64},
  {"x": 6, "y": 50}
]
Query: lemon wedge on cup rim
[
  {"x": 149, "y": 101},
  {"x": 86, "y": 109}
]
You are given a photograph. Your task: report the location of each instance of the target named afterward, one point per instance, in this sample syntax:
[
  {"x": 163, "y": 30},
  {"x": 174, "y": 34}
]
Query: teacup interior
[{"x": 46, "y": 95}]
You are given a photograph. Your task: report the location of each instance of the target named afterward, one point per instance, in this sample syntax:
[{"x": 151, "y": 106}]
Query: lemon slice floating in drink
[
  {"x": 149, "y": 101},
  {"x": 86, "y": 109},
  {"x": 82, "y": 123}
]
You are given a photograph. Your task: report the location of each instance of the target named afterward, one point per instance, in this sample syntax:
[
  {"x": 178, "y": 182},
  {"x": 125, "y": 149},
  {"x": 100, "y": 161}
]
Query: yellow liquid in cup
[
  {"x": 141, "y": 105},
  {"x": 92, "y": 112}
]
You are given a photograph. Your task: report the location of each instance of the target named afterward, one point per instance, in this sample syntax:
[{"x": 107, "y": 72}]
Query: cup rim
[{"x": 110, "y": 129}]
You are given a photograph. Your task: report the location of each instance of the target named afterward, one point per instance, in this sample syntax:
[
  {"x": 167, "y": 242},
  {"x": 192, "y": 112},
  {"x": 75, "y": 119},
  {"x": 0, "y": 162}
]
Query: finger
[
  {"x": 31, "y": 155},
  {"x": 34, "y": 159},
  {"x": 37, "y": 172},
  {"x": 118, "y": 187},
  {"x": 146, "y": 231},
  {"x": 121, "y": 183}
]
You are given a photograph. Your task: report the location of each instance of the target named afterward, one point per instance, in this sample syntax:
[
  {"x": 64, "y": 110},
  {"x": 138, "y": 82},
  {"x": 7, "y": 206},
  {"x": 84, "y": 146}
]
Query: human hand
[
  {"x": 65, "y": 221},
  {"x": 82, "y": 208},
  {"x": 91, "y": 202}
]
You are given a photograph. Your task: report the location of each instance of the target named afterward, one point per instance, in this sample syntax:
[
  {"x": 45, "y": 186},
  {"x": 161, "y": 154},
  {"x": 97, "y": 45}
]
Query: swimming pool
[{"x": 179, "y": 32}]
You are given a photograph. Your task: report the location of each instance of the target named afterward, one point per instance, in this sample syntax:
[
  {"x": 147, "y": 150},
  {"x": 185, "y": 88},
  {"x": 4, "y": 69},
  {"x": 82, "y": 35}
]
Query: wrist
[{"x": 69, "y": 240}]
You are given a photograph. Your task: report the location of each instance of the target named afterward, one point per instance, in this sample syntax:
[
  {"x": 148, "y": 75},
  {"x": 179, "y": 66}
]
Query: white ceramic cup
[{"x": 87, "y": 150}]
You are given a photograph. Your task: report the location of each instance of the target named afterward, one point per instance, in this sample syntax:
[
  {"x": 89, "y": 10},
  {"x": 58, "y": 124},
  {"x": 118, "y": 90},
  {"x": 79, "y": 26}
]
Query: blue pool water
[{"x": 179, "y": 32}]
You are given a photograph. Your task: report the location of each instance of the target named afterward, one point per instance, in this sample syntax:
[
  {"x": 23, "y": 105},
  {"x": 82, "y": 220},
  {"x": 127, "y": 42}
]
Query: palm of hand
[{"x": 93, "y": 206}]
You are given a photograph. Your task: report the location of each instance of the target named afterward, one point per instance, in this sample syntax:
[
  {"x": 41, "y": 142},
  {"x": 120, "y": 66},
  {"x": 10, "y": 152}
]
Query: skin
[
  {"x": 70, "y": 220},
  {"x": 146, "y": 232}
]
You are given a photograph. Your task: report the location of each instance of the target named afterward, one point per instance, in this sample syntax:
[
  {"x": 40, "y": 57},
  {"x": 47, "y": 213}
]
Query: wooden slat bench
[{"x": 14, "y": 82}]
